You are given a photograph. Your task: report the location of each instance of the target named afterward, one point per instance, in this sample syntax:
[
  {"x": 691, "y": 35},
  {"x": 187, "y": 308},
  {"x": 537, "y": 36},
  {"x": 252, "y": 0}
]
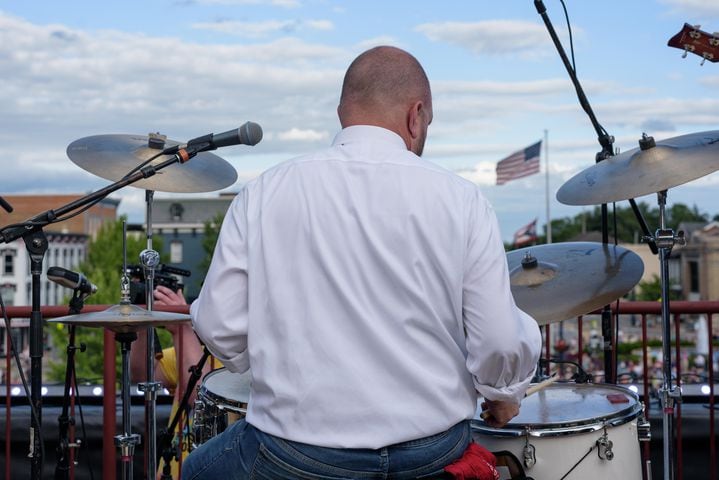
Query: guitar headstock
[{"x": 696, "y": 41}]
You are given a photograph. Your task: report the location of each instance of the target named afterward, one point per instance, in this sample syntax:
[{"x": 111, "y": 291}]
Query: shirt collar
[{"x": 369, "y": 133}]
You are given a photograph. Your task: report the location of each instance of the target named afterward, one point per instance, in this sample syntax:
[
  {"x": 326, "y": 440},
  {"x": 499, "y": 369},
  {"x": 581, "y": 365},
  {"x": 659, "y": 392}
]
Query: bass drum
[
  {"x": 570, "y": 431},
  {"x": 221, "y": 401}
]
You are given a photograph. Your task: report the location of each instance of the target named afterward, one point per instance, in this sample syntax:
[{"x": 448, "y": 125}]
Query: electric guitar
[{"x": 698, "y": 42}]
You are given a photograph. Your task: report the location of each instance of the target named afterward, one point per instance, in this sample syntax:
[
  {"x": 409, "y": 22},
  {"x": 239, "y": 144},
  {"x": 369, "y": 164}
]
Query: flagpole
[{"x": 546, "y": 184}]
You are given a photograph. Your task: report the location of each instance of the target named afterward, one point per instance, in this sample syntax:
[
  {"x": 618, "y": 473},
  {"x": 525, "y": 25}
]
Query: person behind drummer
[
  {"x": 170, "y": 370},
  {"x": 367, "y": 291}
]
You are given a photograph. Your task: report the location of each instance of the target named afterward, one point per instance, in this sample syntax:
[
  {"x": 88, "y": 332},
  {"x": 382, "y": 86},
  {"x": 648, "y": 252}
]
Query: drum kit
[
  {"x": 559, "y": 426},
  {"x": 140, "y": 161}
]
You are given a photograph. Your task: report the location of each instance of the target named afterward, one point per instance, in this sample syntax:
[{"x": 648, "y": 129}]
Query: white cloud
[
  {"x": 263, "y": 29},
  {"x": 306, "y": 135},
  {"x": 697, "y": 8},
  {"x": 492, "y": 37}
]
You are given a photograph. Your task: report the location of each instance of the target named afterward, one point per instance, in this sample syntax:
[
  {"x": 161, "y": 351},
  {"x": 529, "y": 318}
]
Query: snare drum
[
  {"x": 588, "y": 430},
  {"x": 221, "y": 401}
]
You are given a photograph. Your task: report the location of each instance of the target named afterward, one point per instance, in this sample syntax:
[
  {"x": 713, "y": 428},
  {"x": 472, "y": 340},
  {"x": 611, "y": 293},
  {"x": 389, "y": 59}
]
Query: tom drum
[{"x": 572, "y": 431}]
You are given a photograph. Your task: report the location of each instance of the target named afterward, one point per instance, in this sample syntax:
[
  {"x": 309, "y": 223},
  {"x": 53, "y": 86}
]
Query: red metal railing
[{"x": 620, "y": 310}]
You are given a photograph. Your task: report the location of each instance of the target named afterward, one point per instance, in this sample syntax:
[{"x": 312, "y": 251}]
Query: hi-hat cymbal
[
  {"x": 638, "y": 172},
  {"x": 560, "y": 281},
  {"x": 114, "y": 156},
  {"x": 124, "y": 317}
]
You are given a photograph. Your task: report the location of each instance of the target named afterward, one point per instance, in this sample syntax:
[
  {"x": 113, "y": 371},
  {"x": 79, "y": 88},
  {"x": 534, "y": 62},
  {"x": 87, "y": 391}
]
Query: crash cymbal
[
  {"x": 114, "y": 156},
  {"x": 124, "y": 317},
  {"x": 638, "y": 172},
  {"x": 560, "y": 281}
]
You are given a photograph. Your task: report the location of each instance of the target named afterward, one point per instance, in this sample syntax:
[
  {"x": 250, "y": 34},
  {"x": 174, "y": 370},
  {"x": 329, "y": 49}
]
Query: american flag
[
  {"x": 526, "y": 235},
  {"x": 519, "y": 164}
]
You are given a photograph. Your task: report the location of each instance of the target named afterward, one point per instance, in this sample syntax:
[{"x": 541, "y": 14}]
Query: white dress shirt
[{"x": 367, "y": 289}]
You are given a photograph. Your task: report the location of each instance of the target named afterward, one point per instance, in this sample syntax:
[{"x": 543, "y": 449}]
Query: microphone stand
[
  {"x": 166, "y": 434},
  {"x": 62, "y": 469},
  {"x": 605, "y": 141},
  {"x": 36, "y": 243}
]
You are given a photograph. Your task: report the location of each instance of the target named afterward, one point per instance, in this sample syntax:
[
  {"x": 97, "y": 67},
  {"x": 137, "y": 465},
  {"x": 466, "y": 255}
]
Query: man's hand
[
  {"x": 497, "y": 413},
  {"x": 165, "y": 296}
]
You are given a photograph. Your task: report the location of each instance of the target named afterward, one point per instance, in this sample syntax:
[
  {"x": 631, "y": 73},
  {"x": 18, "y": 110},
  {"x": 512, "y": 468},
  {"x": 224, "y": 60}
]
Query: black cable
[
  {"x": 141, "y": 165},
  {"x": 571, "y": 40},
  {"x": 33, "y": 411}
]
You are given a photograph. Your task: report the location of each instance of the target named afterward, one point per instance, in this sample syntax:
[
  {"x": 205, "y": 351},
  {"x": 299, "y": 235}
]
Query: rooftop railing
[{"x": 635, "y": 323}]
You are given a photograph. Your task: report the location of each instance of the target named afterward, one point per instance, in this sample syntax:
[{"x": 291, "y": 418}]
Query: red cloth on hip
[{"x": 477, "y": 463}]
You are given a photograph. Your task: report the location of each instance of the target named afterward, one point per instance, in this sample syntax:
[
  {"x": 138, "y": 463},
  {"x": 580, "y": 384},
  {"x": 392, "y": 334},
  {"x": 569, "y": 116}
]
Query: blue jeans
[{"x": 243, "y": 452}]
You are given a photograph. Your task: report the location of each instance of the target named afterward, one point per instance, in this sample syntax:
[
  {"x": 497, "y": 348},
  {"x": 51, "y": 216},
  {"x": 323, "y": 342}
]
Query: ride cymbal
[
  {"x": 639, "y": 172},
  {"x": 124, "y": 317},
  {"x": 560, "y": 281},
  {"x": 112, "y": 157}
]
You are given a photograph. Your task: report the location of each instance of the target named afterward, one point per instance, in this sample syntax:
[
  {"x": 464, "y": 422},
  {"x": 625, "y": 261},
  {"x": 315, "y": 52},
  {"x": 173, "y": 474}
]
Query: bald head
[{"x": 385, "y": 86}]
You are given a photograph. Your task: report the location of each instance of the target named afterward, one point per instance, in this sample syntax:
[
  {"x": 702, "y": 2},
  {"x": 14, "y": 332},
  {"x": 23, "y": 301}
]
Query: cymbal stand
[
  {"x": 127, "y": 441},
  {"x": 36, "y": 243},
  {"x": 167, "y": 452},
  {"x": 62, "y": 469},
  {"x": 150, "y": 259},
  {"x": 606, "y": 142},
  {"x": 670, "y": 395}
]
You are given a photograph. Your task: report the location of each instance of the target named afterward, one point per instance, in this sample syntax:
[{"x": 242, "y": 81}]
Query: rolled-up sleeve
[
  {"x": 503, "y": 342},
  {"x": 220, "y": 312}
]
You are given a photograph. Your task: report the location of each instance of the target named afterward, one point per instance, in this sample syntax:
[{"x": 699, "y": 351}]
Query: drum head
[
  {"x": 227, "y": 388},
  {"x": 568, "y": 405}
]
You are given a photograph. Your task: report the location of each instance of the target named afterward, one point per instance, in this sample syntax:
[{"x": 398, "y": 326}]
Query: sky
[{"x": 185, "y": 68}]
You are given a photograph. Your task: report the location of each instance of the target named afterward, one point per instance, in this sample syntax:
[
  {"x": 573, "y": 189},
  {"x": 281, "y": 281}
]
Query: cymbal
[
  {"x": 124, "y": 317},
  {"x": 638, "y": 172},
  {"x": 114, "y": 156},
  {"x": 560, "y": 281}
]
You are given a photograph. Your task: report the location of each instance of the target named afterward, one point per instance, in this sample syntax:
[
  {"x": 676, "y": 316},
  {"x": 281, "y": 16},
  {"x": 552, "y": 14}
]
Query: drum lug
[
  {"x": 644, "y": 429},
  {"x": 528, "y": 453},
  {"x": 604, "y": 447}
]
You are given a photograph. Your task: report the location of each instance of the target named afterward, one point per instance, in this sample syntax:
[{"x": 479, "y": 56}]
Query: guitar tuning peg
[
  {"x": 702, "y": 62},
  {"x": 686, "y": 51}
]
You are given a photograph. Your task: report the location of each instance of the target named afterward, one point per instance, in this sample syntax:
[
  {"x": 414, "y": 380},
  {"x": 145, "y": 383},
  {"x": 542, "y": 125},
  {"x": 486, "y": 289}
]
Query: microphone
[
  {"x": 70, "y": 279},
  {"x": 249, "y": 133}
]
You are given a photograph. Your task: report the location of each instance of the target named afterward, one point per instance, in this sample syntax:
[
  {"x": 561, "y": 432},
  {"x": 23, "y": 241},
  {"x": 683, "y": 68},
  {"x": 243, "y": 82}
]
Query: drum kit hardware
[
  {"x": 579, "y": 277},
  {"x": 140, "y": 161}
]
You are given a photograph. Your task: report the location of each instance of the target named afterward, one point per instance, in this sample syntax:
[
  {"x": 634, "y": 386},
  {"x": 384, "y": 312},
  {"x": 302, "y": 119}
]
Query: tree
[
  {"x": 627, "y": 226},
  {"x": 651, "y": 290},
  {"x": 103, "y": 265},
  {"x": 209, "y": 240}
]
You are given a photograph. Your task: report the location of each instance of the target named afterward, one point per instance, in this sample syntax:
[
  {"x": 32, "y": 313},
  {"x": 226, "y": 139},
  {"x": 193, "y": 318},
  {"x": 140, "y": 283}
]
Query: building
[
  {"x": 180, "y": 222},
  {"x": 67, "y": 247},
  {"x": 700, "y": 261}
]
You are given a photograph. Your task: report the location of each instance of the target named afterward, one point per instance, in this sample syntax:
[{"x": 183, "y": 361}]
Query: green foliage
[
  {"x": 627, "y": 226},
  {"x": 209, "y": 240},
  {"x": 651, "y": 290},
  {"x": 103, "y": 265}
]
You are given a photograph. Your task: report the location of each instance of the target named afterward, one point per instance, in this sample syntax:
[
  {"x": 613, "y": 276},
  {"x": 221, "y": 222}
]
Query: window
[
  {"x": 7, "y": 290},
  {"x": 9, "y": 264},
  {"x": 176, "y": 211},
  {"x": 694, "y": 276},
  {"x": 176, "y": 251}
]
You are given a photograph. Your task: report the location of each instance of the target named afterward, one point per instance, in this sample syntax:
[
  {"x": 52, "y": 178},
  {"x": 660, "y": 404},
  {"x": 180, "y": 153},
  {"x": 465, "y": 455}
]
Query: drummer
[{"x": 367, "y": 291}]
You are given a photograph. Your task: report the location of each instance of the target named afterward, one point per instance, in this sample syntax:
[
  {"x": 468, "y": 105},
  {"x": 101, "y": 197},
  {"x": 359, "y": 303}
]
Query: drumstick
[
  {"x": 533, "y": 389},
  {"x": 541, "y": 385}
]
